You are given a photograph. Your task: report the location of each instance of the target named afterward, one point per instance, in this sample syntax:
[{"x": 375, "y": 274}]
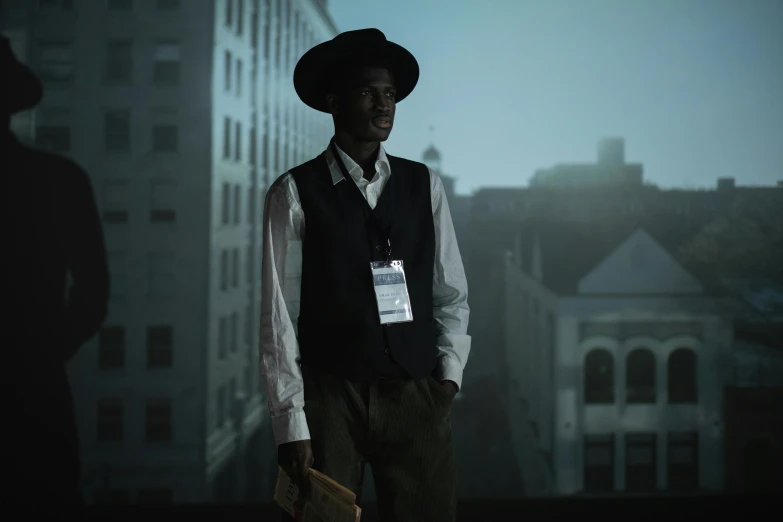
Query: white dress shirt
[{"x": 284, "y": 230}]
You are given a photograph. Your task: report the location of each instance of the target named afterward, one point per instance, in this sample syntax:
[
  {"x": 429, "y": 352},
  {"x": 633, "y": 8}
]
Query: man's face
[{"x": 365, "y": 108}]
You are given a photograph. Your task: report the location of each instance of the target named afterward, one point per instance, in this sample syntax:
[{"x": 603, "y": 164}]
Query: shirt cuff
[
  {"x": 449, "y": 369},
  {"x": 290, "y": 427}
]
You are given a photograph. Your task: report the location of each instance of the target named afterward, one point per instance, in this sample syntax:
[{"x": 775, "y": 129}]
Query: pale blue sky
[{"x": 694, "y": 86}]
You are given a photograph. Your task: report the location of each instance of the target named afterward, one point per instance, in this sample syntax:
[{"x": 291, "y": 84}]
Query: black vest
[{"x": 338, "y": 326}]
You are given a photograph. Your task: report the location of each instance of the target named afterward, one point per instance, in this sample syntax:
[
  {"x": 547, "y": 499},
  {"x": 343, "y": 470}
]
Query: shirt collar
[{"x": 354, "y": 170}]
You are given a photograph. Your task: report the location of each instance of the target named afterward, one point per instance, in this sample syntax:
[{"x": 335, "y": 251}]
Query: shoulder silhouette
[{"x": 56, "y": 292}]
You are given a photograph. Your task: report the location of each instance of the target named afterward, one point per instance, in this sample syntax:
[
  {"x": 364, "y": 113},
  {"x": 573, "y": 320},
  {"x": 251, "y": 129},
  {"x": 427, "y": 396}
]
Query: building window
[
  {"x": 65, "y": 5},
  {"x": 297, "y": 28},
  {"x": 224, "y": 270},
  {"x": 248, "y": 323},
  {"x": 221, "y": 406},
  {"x": 599, "y": 377},
  {"x": 163, "y": 216},
  {"x": 229, "y": 12},
  {"x": 682, "y": 468},
  {"x": 681, "y": 379},
  {"x": 237, "y": 203},
  {"x": 288, "y": 42},
  {"x": 160, "y": 350},
  {"x": 56, "y": 62},
  {"x": 248, "y": 384},
  {"x": 226, "y": 203},
  {"x": 254, "y": 31},
  {"x": 249, "y": 262},
  {"x": 115, "y": 203},
  {"x": 165, "y": 138},
  {"x": 167, "y": 5},
  {"x": 235, "y": 268},
  {"x": 237, "y": 141},
  {"x": 110, "y": 420},
  {"x": 115, "y": 216},
  {"x": 240, "y": 16},
  {"x": 158, "y": 425},
  {"x": 640, "y": 377},
  {"x": 161, "y": 273},
  {"x": 163, "y": 202},
  {"x": 234, "y": 331},
  {"x": 111, "y": 347},
  {"x": 154, "y": 496},
  {"x": 119, "y": 5},
  {"x": 119, "y": 61},
  {"x": 277, "y": 155},
  {"x": 116, "y": 129},
  {"x": 222, "y": 338},
  {"x": 232, "y": 396},
  {"x": 251, "y": 206},
  {"x": 268, "y": 32},
  {"x": 253, "y": 146},
  {"x": 55, "y": 138},
  {"x": 295, "y": 149},
  {"x": 265, "y": 151},
  {"x": 227, "y": 73},
  {"x": 599, "y": 463},
  {"x": 278, "y": 35},
  {"x": 167, "y": 63},
  {"x": 239, "y": 77},
  {"x": 640, "y": 462},
  {"x": 226, "y": 137}
]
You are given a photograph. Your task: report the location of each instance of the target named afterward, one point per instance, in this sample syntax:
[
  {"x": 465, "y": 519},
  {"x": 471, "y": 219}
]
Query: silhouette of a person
[{"x": 50, "y": 231}]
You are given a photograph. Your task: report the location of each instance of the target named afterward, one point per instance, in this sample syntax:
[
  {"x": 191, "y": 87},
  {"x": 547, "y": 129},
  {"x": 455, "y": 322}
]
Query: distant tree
[{"x": 747, "y": 241}]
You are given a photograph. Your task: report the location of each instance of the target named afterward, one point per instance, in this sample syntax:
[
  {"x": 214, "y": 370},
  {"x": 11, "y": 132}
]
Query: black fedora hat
[
  {"x": 313, "y": 72},
  {"x": 20, "y": 88}
]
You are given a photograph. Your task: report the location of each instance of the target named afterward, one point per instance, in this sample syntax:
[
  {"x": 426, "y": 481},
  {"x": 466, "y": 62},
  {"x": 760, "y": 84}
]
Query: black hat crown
[{"x": 312, "y": 73}]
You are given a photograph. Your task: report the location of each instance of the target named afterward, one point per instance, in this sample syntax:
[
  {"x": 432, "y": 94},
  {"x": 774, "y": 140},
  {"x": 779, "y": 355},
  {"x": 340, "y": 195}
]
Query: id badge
[{"x": 391, "y": 292}]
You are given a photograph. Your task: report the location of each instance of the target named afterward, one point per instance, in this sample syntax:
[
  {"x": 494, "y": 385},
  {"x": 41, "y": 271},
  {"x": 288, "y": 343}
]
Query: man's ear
[{"x": 332, "y": 103}]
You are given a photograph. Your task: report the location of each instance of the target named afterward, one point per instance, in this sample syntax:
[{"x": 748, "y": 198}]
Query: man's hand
[
  {"x": 296, "y": 458},
  {"x": 451, "y": 387}
]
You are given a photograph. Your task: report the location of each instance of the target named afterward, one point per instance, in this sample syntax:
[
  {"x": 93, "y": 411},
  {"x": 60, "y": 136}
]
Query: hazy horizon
[{"x": 693, "y": 86}]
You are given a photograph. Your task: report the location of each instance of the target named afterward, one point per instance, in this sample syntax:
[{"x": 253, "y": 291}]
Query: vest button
[{"x": 386, "y": 350}]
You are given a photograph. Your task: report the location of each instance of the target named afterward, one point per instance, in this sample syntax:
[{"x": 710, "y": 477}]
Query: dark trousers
[
  {"x": 41, "y": 447},
  {"x": 401, "y": 428}
]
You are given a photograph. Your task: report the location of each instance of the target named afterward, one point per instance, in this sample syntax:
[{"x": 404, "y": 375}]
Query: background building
[
  {"x": 730, "y": 236},
  {"x": 182, "y": 112},
  {"x": 617, "y": 362},
  {"x": 610, "y": 170}
]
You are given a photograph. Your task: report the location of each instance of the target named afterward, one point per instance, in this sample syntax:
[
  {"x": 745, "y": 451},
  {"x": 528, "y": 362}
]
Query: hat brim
[{"x": 314, "y": 69}]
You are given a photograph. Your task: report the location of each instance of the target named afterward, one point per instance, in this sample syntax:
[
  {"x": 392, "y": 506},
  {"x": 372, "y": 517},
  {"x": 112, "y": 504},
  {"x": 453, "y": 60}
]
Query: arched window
[
  {"x": 640, "y": 376},
  {"x": 682, "y": 383},
  {"x": 599, "y": 377}
]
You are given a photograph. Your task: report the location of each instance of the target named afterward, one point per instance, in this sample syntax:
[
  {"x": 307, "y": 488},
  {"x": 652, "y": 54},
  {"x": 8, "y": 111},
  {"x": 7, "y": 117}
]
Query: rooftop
[{"x": 571, "y": 250}]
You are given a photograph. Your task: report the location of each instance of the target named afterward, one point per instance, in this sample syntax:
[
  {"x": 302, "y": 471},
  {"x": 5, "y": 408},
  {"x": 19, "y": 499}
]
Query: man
[
  {"x": 50, "y": 230},
  {"x": 364, "y": 310}
]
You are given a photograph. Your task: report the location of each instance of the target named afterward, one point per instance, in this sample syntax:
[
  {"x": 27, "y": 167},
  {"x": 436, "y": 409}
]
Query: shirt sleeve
[
  {"x": 278, "y": 346},
  {"x": 449, "y": 291}
]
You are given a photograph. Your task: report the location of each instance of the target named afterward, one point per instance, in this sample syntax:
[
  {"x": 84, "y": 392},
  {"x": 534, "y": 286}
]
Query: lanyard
[{"x": 384, "y": 227}]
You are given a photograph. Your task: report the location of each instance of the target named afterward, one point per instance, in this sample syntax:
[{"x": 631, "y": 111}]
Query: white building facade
[
  {"x": 616, "y": 384},
  {"x": 181, "y": 112}
]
